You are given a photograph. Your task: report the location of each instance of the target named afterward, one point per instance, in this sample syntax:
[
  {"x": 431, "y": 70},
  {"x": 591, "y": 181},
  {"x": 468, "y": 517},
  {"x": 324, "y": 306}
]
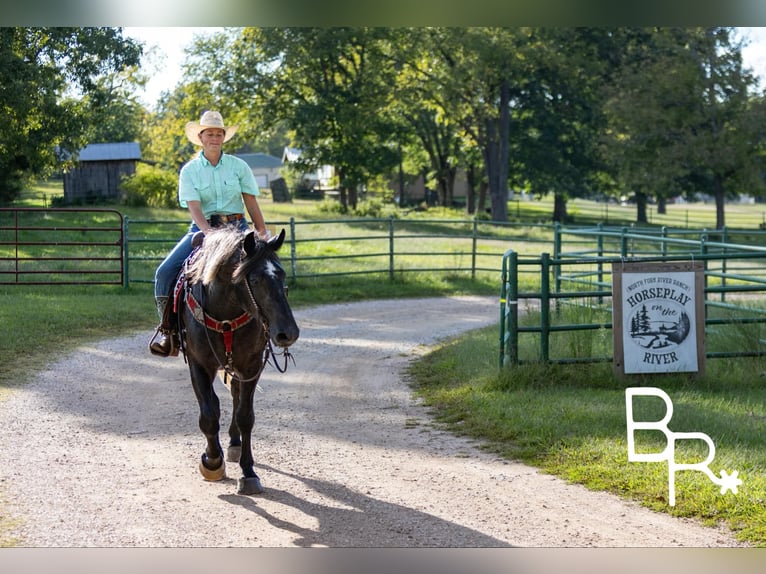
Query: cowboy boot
[{"x": 164, "y": 342}]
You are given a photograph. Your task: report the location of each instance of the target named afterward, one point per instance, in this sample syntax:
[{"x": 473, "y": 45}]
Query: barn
[
  {"x": 99, "y": 171},
  {"x": 265, "y": 167}
]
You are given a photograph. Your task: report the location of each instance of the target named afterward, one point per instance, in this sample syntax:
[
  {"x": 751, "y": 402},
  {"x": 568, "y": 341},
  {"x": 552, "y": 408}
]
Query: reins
[{"x": 227, "y": 328}]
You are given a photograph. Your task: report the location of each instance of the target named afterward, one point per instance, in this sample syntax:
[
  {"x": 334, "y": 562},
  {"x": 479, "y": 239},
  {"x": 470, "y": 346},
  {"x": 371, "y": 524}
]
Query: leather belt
[{"x": 218, "y": 219}]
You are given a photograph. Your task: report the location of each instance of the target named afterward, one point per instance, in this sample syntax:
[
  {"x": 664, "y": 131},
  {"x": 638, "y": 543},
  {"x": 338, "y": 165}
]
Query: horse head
[{"x": 264, "y": 279}]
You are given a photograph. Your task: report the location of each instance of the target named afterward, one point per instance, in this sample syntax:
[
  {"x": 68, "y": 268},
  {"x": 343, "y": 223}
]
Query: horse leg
[
  {"x": 249, "y": 483},
  {"x": 211, "y": 464},
  {"x": 235, "y": 441}
]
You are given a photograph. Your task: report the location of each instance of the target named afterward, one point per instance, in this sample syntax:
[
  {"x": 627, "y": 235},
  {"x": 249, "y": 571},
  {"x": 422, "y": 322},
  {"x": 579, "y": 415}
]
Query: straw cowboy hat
[{"x": 208, "y": 120}]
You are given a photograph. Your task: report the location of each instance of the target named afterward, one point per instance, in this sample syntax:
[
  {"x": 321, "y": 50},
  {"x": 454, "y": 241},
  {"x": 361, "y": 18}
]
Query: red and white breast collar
[{"x": 226, "y": 327}]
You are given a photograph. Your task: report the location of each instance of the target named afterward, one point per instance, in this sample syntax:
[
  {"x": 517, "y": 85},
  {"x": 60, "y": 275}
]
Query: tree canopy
[
  {"x": 46, "y": 76},
  {"x": 650, "y": 113}
]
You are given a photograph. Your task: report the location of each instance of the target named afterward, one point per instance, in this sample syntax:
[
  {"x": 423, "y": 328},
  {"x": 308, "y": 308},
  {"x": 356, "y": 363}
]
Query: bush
[{"x": 150, "y": 186}]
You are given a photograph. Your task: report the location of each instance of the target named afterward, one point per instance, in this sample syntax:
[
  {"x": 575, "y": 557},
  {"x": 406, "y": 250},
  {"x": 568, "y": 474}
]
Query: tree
[
  {"x": 331, "y": 87},
  {"x": 682, "y": 118},
  {"x": 44, "y": 74},
  {"x": 558, "y": 117},
  {"x": 482, "y": 73},
  {"x": 431, "y": 133}
]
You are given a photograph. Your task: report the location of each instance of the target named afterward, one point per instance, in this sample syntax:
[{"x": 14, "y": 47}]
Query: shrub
[{"x": 150, "y": 186}]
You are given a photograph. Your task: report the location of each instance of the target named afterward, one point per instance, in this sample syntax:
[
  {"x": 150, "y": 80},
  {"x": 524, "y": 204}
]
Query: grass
[
  {"x": 570, "y": 421},
  {"x": 566, "y": 420}
]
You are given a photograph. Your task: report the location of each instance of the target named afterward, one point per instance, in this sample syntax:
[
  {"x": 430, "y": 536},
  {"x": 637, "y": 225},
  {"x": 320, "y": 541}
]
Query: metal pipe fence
[
  {"x": 40, "y": 246},
  {"x": 389, "y": 247},
  {"x": 571, "y": 292}
]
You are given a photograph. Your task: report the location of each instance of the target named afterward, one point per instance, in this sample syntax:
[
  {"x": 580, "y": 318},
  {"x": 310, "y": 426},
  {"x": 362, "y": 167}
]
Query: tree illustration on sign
[{"x": 662, "y": 326}]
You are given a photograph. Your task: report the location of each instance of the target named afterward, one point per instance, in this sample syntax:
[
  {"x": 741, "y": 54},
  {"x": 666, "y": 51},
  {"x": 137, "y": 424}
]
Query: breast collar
[{"x": 227, "y": 327}]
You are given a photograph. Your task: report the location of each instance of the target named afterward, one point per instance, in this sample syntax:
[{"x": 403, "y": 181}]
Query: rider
[{"x": 216, "y": 188}]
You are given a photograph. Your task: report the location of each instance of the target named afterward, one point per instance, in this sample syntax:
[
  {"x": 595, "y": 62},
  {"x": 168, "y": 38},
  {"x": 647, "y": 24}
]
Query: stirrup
[{"x": 159, "y": 347}]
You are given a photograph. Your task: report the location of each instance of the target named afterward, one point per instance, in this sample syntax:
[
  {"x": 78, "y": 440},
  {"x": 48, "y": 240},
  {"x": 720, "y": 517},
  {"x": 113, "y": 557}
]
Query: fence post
[
  {"x": 600, "y": 244},
  {"x": 292, "y": 250},
  {"x": 725, "y": 241},
  {"x": 475, "y": 234},
  {"x": 704, "y": 252},
  {"x": 509, "y": 310},
  {"x": 503, "y": 307},
  {"x": 623, "y": 242},
  {"x": 545, "y": 315},
  {"x": 557, "y": 253},
  {"x": 391, "y": 247},
  {"x": 125, "y": 259}
]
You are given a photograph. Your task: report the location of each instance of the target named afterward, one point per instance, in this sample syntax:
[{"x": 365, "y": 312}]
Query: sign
[{"x": 658, "y": 317}]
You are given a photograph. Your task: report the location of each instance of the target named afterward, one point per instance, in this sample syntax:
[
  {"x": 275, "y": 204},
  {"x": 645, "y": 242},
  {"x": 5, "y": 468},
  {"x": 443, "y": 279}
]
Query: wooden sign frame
[{"x": 658, "y": 317}]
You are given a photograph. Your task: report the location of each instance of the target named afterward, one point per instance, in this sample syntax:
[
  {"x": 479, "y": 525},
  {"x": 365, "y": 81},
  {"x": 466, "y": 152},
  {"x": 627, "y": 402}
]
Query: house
[
  {"x": 266, "y": 168},
  {"x": 319, "y": 179},
  {"x": 99, "y": 172}
]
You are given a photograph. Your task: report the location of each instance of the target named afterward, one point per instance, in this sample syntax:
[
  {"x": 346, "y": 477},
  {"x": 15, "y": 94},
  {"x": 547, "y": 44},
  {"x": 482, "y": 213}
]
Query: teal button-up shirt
[{"x": 218, "y": 188}]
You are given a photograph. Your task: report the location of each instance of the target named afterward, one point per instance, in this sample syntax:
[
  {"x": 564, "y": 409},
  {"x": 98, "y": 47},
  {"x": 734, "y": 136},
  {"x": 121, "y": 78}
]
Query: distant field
[{"x": 698, "y": 215}]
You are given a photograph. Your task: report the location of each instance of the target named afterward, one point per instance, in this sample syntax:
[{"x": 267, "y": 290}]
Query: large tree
[
  {"x": 558, "y": 117},
  {"x": 44, "y": 75},
  {"x": 331, "y": 86},
  {"x": 683, "y": 118}
]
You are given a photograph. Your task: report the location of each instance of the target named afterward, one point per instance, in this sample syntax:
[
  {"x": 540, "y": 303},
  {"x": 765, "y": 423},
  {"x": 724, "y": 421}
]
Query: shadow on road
[{"x": 361, "y": 521}]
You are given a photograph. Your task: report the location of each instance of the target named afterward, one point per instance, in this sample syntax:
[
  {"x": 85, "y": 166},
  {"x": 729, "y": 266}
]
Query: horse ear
[
  {"x": 276, "y": 242},
  {"x": 249, "y": 242}
]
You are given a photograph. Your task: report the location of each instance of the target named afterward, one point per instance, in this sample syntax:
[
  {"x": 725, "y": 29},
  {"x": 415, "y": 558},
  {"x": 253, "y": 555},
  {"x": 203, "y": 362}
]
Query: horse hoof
[
  {"x": 250, "y": 485},
  {"x": 212, "y": 475},
  {"x": 233, "y": 453}
]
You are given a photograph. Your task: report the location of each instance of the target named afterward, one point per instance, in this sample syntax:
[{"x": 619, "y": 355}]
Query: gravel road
[{"x": 101, "y": 449}]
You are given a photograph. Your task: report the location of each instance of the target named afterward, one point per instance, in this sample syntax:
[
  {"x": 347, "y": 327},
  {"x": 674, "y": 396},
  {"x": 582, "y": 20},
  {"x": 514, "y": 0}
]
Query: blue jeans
[{"x": 167, "y": 271}]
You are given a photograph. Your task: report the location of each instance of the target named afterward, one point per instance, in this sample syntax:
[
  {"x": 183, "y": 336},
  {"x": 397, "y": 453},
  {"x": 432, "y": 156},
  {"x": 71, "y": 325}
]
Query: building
[
  {"x": 321, "y": 178},
  {"x": 266, "y": 168},
  {"x": 99, "y": 172}
]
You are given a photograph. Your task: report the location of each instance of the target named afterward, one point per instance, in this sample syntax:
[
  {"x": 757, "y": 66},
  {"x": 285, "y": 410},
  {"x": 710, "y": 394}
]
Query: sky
[{"x": 170, "y": 44}]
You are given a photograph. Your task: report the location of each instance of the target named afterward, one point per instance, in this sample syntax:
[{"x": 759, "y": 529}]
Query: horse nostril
[{"x": 284, "y": 340}]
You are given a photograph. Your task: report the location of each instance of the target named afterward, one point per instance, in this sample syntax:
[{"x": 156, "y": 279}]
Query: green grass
[
  {"x": 566, "y": 420},
  {"x": 570, "y": 421}
]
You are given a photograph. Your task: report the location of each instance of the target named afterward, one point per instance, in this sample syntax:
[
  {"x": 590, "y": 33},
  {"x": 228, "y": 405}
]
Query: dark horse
[{"x": 232, "y": 306}]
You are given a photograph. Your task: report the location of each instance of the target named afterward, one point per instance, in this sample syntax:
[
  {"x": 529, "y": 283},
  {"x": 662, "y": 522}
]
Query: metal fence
[
  {"x": 571, "y": 291},
  {"x": 388, "y": 247},
  {"x": 40, "y": 246}
]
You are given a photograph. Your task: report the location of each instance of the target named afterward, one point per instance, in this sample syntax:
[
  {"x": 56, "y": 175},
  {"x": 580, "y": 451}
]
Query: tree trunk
[
  {"x": 641, "y": 207},
  {"x": 559, "y": 208},
  {"x": 662, "y": 206},
  {"x": 483, "y": 188},
  {"x": 496, "y": 155},
  {"x": 720, "y": 197},
  {"x": 441, "y": 186},
  {"x": 470, "y": 197}
]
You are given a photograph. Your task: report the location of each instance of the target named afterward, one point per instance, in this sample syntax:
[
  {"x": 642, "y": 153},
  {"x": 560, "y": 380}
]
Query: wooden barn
[{"x": 99, "y": 170}]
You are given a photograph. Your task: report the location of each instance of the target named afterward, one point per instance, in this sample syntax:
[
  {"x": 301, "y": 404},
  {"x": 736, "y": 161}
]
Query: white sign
[{"x": 659, "y": 322}]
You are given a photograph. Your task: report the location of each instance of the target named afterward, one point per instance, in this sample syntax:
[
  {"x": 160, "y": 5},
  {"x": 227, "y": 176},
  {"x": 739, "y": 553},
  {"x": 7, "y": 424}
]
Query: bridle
[{"x": 227, "y": 327}]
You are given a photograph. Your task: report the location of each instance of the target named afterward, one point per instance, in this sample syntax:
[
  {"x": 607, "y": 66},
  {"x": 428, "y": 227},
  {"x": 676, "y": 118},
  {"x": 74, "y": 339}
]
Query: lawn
[{"x": 567, "y": 420}]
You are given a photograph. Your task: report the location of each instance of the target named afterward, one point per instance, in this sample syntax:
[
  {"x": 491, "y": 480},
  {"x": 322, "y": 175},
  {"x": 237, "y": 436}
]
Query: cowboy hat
[{"x": 208, "y": 120}]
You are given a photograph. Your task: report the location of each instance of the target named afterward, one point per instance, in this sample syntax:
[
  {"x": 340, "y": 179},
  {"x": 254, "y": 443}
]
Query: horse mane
[{"x": 218, "y": 250}]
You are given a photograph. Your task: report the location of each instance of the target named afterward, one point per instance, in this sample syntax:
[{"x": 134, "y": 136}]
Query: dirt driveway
[{"x": 101, "y": 450}]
